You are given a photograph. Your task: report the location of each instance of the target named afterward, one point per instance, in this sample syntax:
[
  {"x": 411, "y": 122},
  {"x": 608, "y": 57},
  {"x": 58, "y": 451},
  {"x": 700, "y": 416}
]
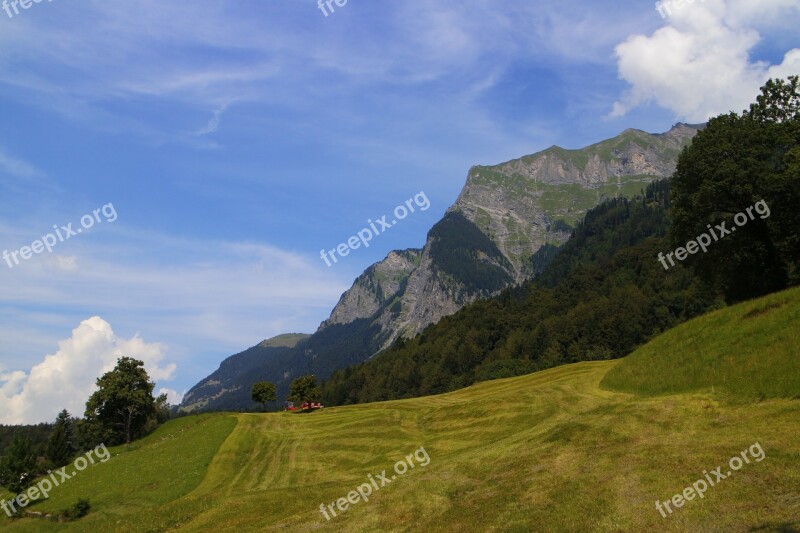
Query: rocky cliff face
[
  {"x": 378, "y": 285},
  {"x": 519, "y": 206}
]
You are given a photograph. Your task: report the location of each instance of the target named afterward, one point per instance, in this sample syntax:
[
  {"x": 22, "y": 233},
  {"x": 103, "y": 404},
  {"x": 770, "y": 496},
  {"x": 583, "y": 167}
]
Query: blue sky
[{"x": 237, "y": 139}]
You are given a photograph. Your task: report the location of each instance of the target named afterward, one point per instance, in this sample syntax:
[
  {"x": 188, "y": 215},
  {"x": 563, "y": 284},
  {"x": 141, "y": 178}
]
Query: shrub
[{"x": 77, "y": 511}]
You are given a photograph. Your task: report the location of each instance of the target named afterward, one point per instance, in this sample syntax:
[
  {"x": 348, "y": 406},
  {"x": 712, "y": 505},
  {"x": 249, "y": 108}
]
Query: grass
[
  {"x": 163, "y": 467},
  {"x": 552, "y": 451},
  {"x": 750, "y": 351}
]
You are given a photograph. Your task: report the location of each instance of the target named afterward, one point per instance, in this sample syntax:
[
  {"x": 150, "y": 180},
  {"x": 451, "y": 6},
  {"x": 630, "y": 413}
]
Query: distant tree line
[{"x": 36, "y": 433}]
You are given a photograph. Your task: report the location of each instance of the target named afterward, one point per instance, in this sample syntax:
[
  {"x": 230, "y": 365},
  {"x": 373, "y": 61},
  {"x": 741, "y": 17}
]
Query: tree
[
  {"x": 123, "y": 403},
  {"x": 779, "y": 101},
  {"x": 18, "y": 465},
  {"x": 264, "y": 392},
  {"x": 736, "y": 162},
  {"x": 163, "y": 409},
  {"x": 62, "y": 444},
  {"x": 304, "y": 390}
]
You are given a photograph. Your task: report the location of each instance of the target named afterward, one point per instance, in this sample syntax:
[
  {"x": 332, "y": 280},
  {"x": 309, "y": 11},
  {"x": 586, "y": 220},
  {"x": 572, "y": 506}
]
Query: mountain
[
  {"x": 504, "y": 215},
  {"x": 601, "y": 297},
  {"x": 231, "y": 379},
  {"x": 502, "y": 229}
]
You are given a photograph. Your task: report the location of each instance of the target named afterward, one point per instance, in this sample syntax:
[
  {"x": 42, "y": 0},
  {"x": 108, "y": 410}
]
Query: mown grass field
[
  {"x": 552, "y": 451},
  {"x": 747, "y": 352}
]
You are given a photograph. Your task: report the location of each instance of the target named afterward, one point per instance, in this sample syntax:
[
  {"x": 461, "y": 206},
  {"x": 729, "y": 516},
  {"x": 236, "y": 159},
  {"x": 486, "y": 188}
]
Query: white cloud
[
  {"x": 699, "y": 65},
  {"x": 173, "y": 397},
  {"x": 66, "y": 379}
]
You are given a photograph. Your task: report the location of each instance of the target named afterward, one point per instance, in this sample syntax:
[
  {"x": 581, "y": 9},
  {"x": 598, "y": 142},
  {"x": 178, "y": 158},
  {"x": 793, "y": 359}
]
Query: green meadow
[{"x": 585, "y": 447}]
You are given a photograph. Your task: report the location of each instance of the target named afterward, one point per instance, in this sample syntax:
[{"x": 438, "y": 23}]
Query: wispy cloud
[
  {"x": 213, "y": 123},
  {"x": 284, "y": 58},
  {"x": 222, "y": 294},
  {"x": 17, "y": 168}
]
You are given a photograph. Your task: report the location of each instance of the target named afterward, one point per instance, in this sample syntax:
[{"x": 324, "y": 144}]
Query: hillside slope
[
  {"x": 551, "y": 451},
  {"x": 753, "y": 354}
]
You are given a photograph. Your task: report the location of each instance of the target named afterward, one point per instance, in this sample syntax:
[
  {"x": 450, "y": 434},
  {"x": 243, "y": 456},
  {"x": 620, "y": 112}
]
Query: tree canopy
[
  {"x": 123, "y": 405},
  {"x": 304, "y": 389},
  {"x": 737, "y": 161},
  {"x": 264, "y": 392}
]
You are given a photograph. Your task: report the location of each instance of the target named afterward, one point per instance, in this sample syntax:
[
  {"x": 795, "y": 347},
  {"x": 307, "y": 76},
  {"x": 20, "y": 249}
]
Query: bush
[{"x": 77, "y": 511}]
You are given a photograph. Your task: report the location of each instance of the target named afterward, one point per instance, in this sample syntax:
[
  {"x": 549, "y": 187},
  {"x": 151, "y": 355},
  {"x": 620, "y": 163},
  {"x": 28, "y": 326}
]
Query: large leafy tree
[
  {"x": 62, "y": 444},
  {"x": 264, "y": 392},
  {"x": 736, "y": 162},
  {"x": 304, "y": 389},
  {"x": 123, "y": 404}
]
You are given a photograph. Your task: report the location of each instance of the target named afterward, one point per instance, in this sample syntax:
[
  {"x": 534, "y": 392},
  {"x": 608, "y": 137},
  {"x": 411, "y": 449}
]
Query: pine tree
[
  {"x": 18, "y": 465},
  {"x": 61, "y": 446}
]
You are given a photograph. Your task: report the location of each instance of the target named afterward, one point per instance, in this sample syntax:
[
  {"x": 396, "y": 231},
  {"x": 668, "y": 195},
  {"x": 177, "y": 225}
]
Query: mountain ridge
[{"x": 485, "y": 242}]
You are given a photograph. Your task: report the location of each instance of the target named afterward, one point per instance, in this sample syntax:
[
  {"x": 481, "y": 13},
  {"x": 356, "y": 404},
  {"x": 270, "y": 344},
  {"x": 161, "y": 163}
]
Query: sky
[{"x": 208, "y": 150}]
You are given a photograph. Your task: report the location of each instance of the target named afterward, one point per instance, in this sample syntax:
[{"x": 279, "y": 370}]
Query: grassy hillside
[
  {"x": 287, "y": 340},
  {"x": 160, "y": 468},
  {"x": 551, "y": 451},
  {"x": 748, "y": 351}
]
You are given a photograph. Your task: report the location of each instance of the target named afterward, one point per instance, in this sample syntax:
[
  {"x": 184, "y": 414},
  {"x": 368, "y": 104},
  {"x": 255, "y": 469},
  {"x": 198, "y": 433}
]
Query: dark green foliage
[
  {"x": 18, "y": 465},
  {"x": 63, "y": 442},
  {"x": 610, "y": 227},
  {"x": 603, "y": 295},
  {"x": 37, "y": 434},
  {"x": 80, "y": 509},
  {"x": 264, "y": 392},
  {"x": 90, "y": 434},
  {"x": 737, "y": 161},
  {"x": 163, "y": 410},
  {"x": 560, "y": 225},
  {"x": 504, "y": 368},
  {"x": 539, "y": 261},
  {"x": 462, "y": 250},
  {"x": 123, "y": 406}
]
